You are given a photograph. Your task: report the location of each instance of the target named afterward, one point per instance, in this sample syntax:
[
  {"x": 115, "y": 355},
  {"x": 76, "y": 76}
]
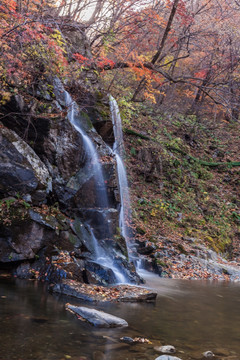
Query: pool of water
[{"x": 194, "y": 316}]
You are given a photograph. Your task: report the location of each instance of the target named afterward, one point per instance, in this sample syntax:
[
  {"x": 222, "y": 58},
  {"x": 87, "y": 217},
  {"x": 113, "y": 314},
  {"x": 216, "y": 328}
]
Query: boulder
[
  {"x": 166, "y": 349},
  {"x": 21, "y": 170},
  {"x": 104, "y": 221},
  {"x": 119, "y": 293},
  {"x": 208, "y": 354},
  {"x": 97, "y": 318},
  {"x": 127, "y": 340},
  {"x": 99, "y": 274},
  {"x": 22, "y": 241}
]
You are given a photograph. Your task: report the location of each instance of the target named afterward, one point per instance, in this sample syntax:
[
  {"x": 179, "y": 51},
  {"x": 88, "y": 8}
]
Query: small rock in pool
[
  {"x": 167, "y": 349},
  {"x": 208, "y": 354},
  {"x": 127, "y": 339},
  {"x": 167, "y": 357}
]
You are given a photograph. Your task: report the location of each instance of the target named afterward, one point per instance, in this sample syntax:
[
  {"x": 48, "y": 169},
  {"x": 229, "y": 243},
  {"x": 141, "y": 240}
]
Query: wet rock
[
  {"x": 127, "y": 339},
  {"x": 23, "y": 271},
  {"x": 167, "y": 349},
  {"x": 99, "y": 274},
  {"x": 104, "y": 221},
  {"x": 21, "y": 170},
  {"x": 22, "y": 241},
  {"x": 65, "y": 288},
  {"x": 145, "y": 248},
  {"x": 208, "y": 354},
  {"x": 123, "y": 293},
  {"x": 167, "y": 357},
  {"x": 150, "y": 264},
  {"x": 50, "y": 222},
  {"x": 54, "y": 149},
  {"x": 97, "y": 318}
]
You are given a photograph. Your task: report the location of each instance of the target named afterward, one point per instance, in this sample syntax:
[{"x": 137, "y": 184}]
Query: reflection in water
[{"x": 194, "y": 316}]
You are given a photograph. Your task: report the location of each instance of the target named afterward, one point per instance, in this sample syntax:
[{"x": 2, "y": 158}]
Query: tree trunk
[{"x": 160, "y": 49}]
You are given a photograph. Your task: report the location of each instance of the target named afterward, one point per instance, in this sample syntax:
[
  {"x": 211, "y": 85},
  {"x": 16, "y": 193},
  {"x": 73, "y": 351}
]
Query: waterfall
[
  {"x": 104, "y": 259},
  {"x": 101, "y": 255},
  {"x": 92, "y": 154},
  {"x": 118, "y": 148}
]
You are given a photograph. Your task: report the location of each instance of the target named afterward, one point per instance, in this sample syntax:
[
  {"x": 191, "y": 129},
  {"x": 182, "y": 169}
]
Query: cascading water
[
  {"x": 93, "y": 157},
  {"x": 101, "y": 256},
  {"x": 104, "y": 259},
  {"x": 118, "y": 148},
  {"x": 125, "y": 210}
]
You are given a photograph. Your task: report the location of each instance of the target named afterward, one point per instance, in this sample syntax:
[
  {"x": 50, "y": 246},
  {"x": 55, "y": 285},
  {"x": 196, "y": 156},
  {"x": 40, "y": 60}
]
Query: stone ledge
[{"x": 94, "y": 293}]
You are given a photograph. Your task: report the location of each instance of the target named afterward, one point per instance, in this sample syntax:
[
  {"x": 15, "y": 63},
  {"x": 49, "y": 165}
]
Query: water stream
[
  {"x": 194, "y": 316},
  {"x": 101, "y": 256},
  {"x": 92, "y": 154},
  {"x": 118, "y": 148},
  {"x": 105, "y": 259}
]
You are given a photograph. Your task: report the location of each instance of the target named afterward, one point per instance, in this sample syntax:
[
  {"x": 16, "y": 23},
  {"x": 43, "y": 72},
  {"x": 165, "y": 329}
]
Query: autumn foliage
[
  {"x": 30, "y": 46},
  {"x": 187, "y": 50}
]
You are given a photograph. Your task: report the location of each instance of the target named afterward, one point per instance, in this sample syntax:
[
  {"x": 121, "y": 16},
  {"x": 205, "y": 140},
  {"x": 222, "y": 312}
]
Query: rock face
[
  {"x": 22, "y": 241},
  {"x": 97, "y": 318},
  {"x": 49, "y": 217},
  {"x": 21, "y": 170}
]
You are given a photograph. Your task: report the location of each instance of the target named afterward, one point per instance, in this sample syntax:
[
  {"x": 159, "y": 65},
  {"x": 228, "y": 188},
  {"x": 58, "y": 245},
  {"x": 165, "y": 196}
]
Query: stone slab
[{"x": 97, "y": 318}]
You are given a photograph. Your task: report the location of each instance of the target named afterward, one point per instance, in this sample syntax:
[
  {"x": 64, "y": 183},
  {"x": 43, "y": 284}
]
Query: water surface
[{"x": 194, "y": 316}]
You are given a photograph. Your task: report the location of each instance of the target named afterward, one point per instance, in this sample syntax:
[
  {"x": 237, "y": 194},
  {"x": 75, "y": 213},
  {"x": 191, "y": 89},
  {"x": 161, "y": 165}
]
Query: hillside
[{"x": 184, "y": 178}]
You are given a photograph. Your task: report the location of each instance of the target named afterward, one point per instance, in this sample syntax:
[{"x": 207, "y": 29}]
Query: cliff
[{"x": 55, "y": 144}]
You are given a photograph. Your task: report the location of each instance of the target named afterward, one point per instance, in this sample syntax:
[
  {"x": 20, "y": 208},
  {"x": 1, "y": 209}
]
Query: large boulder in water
[
  {"x": 93, "y": 293},
  {"x": 97, "y": 318}
]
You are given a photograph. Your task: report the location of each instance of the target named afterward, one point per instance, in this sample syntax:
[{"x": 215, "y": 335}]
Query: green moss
[
  {"x": 86, "y": 119},
  {"x": 12, "y": 210},
  {"x": 102, "y": 111},
  {"x": 73, "y": 239},
  {"x": 161, "y": 263}
]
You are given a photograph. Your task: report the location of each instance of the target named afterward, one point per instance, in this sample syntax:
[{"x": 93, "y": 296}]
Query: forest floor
[{"x": 185, "y": 187}]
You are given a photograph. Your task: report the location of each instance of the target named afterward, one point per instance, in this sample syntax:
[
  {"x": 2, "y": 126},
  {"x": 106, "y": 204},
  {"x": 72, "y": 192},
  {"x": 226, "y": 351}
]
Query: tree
[
  {"x": 30, "y": 44},
  {"x": 172, "y": 49}
]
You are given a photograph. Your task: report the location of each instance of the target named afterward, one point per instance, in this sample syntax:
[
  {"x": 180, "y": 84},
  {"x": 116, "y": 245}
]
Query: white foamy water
[
  {"x": 102, "y": 258},
  {"x": 118, "y": 148},
  {"x": 92, "y": 154}
]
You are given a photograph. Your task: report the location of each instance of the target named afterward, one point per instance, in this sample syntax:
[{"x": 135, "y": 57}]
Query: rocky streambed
[{"x": 188, "y": 258}]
